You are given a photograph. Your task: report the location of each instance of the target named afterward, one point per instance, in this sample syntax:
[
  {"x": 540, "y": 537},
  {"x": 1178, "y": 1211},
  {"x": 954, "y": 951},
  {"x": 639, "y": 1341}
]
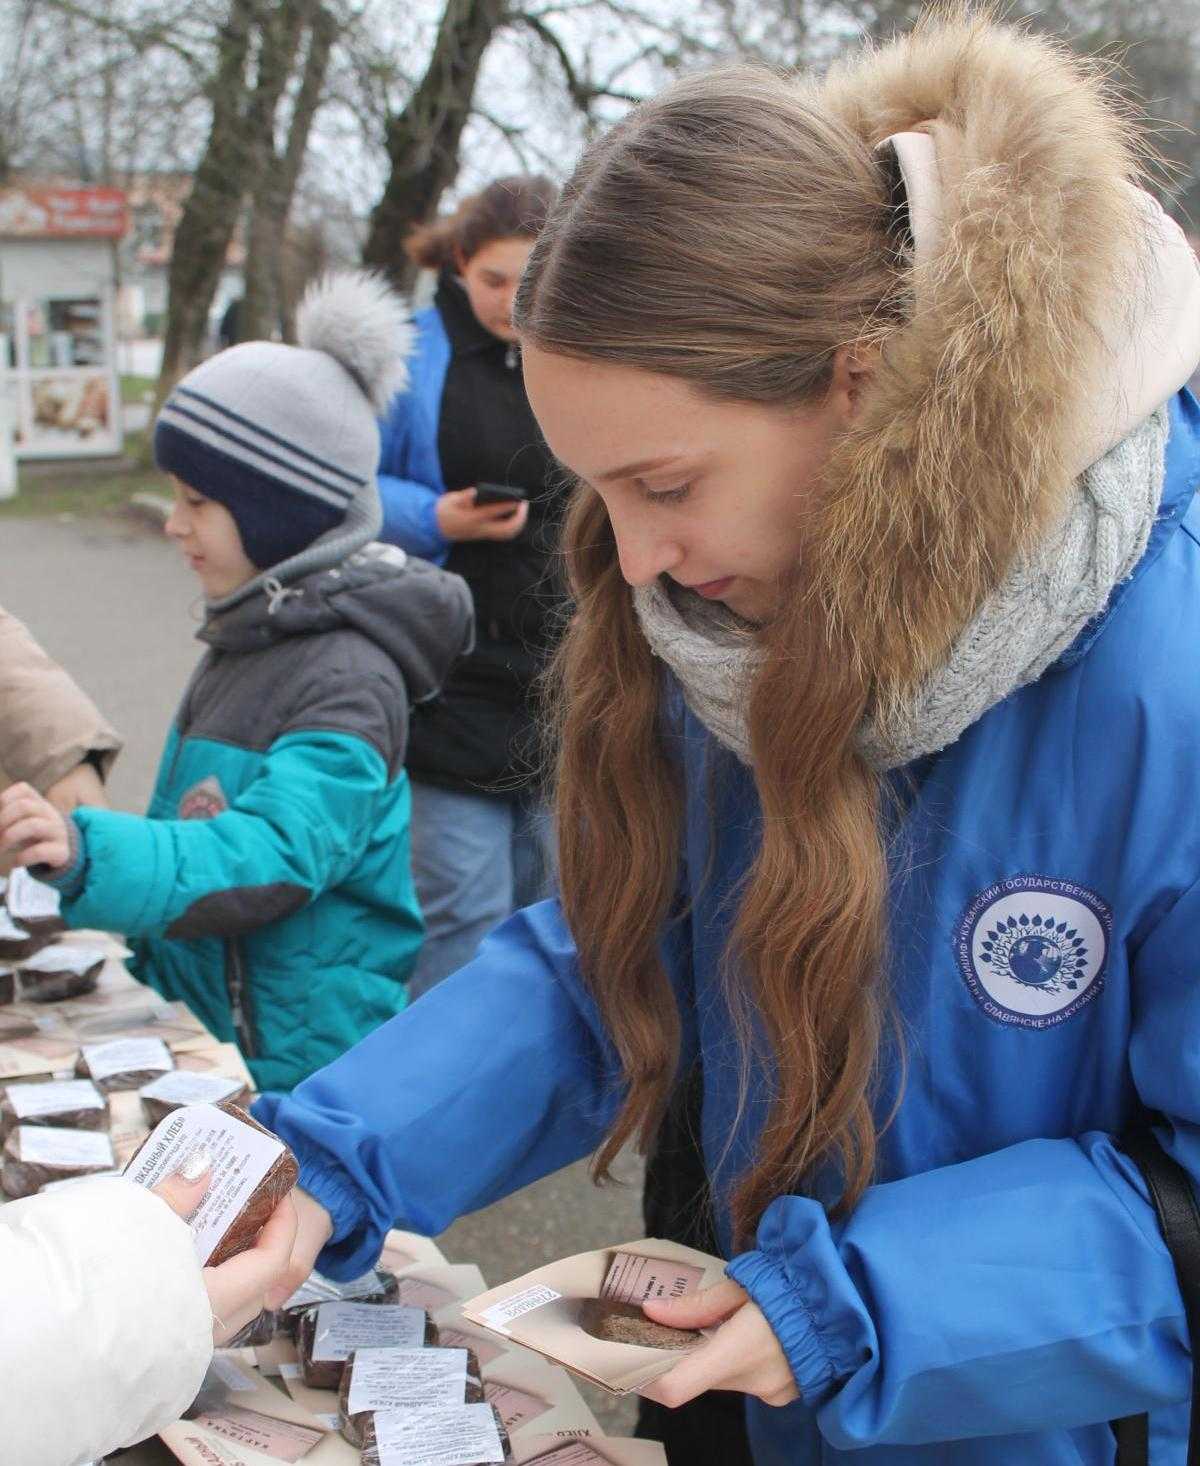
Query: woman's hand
[
  {"x": 743, "y": 1354},
  {"x": 314, "y": 1228},
  {"x": 459, "y": 517},
  {"x": 32, "y": 831},
  {"x": 238, "y": 1290}
]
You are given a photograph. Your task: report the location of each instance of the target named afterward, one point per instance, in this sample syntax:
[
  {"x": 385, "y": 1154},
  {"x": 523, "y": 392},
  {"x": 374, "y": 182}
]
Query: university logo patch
[
  {"x": 203, "y": 801},
  {"x": 1033, "y": 949}
]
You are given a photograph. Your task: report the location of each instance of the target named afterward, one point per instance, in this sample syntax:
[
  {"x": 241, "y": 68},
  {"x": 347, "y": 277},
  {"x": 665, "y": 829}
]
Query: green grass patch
[
  {"x": 138, "y": 389},
  {"x": 82, "y": 488}
]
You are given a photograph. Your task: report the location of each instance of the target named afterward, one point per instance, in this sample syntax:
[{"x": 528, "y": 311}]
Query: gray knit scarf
[{"x": 1032, "y": 618}]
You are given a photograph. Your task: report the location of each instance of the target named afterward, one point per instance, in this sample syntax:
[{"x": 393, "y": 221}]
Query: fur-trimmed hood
[{"x": 1051, "y": 308}]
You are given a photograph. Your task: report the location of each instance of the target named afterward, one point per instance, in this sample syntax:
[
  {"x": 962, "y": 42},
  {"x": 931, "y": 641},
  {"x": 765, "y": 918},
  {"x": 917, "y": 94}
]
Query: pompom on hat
[{"x": 286, "y": 437}]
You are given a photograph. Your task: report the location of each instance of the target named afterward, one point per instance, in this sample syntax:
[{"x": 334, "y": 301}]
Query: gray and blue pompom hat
[{"x": 287, "y": 437}]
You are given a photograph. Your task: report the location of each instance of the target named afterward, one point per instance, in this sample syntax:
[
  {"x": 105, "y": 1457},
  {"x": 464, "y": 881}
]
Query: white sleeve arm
[{"x": 105, "y": 1329}]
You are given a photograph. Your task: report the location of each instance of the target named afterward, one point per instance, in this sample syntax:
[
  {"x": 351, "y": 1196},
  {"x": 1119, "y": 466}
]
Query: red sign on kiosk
[{"x": 29, "y": 212}]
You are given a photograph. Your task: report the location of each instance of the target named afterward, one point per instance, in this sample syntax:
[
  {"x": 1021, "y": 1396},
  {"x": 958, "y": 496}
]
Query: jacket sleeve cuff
[
  {"x": 354, "y": 1244},
  {"x": 791, "y": 1321},
  {"x": 68, "y": 880},
  {"x": 438, "y": 543}
]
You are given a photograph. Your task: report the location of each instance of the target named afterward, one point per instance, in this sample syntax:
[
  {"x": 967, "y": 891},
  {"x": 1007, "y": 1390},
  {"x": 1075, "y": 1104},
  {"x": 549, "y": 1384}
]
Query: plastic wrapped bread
[
  {"x": 62, "y": 970},
  {"x": 37, "y": 1154},
  {"x": 331, "y": 1332},
  {"x": 67, "y": 1104},
  {"x": 124, "y": 1063},
  {"x": 252, "y": 1171},
  {"x": 377, "y": 1286},
  {"x": 179, "y": 1087},
  {"x": 410, "y": 1437},
  {"x": 394, "y": 1379},
  {"x": 261, "y": 1329},
  {"x": 33, "y": 904},
  {"x": 16, "y": 940}
]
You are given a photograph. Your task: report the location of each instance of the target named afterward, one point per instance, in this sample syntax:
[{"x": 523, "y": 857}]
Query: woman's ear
[{"x": 854, "y": 370}]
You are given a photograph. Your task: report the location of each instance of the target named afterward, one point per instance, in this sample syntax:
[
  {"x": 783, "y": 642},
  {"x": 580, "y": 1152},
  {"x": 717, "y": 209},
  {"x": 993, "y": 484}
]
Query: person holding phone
[{"x": 467, "y": 482}]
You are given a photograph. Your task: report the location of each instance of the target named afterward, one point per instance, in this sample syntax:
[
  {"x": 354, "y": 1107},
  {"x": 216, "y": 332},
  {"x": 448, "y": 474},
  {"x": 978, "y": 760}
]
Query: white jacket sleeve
[{"x": 105, "y": 1328}]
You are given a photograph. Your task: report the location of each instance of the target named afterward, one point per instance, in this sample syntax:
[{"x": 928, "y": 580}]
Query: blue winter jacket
[
  {"x": 410, "y": 472},
  {"x": 1003, "y": 1291}
]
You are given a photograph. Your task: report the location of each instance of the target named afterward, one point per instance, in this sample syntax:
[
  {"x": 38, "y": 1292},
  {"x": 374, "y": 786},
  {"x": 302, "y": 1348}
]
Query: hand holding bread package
[
  {"x": 585, "y": 1312},
  {"x": 252, "y": 1172}
]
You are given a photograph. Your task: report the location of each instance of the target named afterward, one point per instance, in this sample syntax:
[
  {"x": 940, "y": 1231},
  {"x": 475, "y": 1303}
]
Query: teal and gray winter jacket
[{"x": 271, "y": 874}]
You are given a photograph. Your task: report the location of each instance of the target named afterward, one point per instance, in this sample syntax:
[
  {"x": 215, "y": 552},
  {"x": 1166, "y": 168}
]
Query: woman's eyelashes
[{"x": 665, "y": 496}]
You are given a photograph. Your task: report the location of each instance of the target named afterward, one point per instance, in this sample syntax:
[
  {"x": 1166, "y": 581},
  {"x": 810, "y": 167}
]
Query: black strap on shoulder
[{"x": 1179, "y": 1217}]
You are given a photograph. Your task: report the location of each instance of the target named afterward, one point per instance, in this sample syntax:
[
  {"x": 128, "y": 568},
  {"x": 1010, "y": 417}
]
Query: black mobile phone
[{"x": 499, "y": 494}]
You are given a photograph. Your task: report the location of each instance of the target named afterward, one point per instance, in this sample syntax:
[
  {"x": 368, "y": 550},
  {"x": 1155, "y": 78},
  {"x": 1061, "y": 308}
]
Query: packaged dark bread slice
[
  {"x": 328, "y": 1334},
  {"x": 394, "y": 1379},
  {"x": 37, "y": 1154},
  {"x": 414, "y": 1437},
  {"x": 65, "y": 1104},
  {"x": 177, "y": 1088},
  {"x": 124, "y": 1063},
  {"x": 33, "y": 904},
  {"x": 16, "y": 940},
  {"x": 625, "y": 1323},
  {"x": 252, "y": 1171},
  {"x": 61, "y": 970},
  {"x": 260, "y": 1330},
  {"x": 377, "y": 1286}
]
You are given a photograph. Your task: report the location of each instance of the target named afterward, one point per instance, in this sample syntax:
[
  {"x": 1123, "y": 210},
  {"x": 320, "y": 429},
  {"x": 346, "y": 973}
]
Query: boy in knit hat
[{"x": 268, "y": 886}]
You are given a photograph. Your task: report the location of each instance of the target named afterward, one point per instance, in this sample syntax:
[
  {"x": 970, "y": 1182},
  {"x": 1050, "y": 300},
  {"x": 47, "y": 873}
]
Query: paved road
[{"x": 109, "y": 598}]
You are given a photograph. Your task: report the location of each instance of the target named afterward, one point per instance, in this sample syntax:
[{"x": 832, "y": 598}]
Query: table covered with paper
[{"x": 401, "y": 1368}]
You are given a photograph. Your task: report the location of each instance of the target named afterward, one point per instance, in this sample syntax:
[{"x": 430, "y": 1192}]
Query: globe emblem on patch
[{"x": 1033, "y": 949}]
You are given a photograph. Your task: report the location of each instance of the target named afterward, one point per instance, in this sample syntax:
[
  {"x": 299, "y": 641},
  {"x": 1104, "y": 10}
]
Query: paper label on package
[
  {"x": 386, "y": 1379},
  {"x": 127, "y": 1056},
  {"x": 570, "y": 1453},
  {"x": 31, "y": 1100},
  {"x": 635, "y": 1279},
  {"x": 9, "y": 930},
  {"x": 418, "y": 1293},
  {"x": 485, "y": 1349},
  {"x": 241, "y": 1157},
  {"x": 343, "y": 1327},
  {"x": 438, "y": 1437},
  {"x": 42, "y": 1146},
  {"x": 77, "y": 1181},
  {"x": 500, "y": 1315},
  {"x": 30, "y": 900},
  {"x": 280, "y": 1439},
  {"x": 179, "y": 1087},
  {"x": 74, "y": 957},
  {"x": 319, "y": 1289},
  {"x": 516, "y": 1407},
  {"x": 231, "y": 1375}
]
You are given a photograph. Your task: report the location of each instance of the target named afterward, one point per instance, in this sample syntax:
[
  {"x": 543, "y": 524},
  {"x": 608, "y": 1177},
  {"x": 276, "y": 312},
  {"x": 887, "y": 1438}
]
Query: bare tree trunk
[
  {"x": 423, "y": 140},
  {"x": 263, "y": 307},
  {"x": 283, "y": 26},
  {"x": 210, "y": 214}
]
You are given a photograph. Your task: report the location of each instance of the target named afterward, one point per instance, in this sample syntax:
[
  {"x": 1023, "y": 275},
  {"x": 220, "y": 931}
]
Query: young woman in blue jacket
[
  {"x": 877, "y": 787},
  {"x": 461, "y": 431}
]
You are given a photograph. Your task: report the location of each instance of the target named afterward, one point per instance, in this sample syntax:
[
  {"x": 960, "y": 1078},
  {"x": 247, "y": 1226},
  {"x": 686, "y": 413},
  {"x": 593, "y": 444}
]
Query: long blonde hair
[{"x": 735, "y": 233}]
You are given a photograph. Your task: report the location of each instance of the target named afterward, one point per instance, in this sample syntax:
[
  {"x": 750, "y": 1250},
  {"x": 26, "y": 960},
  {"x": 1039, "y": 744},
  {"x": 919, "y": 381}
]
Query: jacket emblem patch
[
  {"x": 203, "y": 801},
  {"x": 1033, "y": 949}
]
